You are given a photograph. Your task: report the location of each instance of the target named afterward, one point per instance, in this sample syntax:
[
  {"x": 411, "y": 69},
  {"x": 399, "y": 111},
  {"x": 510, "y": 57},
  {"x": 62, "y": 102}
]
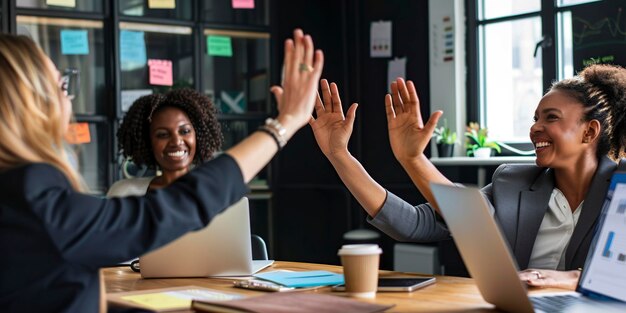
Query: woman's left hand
[{"x": 550, "y": 278}]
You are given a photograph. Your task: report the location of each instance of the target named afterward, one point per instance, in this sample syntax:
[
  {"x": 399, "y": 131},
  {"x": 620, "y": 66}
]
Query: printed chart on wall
[
  {"x": 608, "y": 266},
  {"x": 599, "y": 34}
]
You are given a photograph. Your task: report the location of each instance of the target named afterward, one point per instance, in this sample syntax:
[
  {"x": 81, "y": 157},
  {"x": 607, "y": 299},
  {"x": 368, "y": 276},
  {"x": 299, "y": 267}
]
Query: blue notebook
[{"x": 302, "y": 279}]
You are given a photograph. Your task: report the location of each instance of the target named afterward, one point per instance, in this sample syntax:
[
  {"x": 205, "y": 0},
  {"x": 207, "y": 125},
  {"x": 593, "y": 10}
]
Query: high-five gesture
[
  {"x": 407, "y": 133},
  {"x": 332, "y": 130},
  {"x": 302, "y": 70},
  {"x": 296, "y": 99}
]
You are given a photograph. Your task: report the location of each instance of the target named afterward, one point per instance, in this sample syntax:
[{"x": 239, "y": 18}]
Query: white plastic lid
[{"x": 361, "y": 249}]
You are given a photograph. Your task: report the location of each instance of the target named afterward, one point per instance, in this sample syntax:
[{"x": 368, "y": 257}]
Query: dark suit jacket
[
  {"x": 519, "y": 195},
  {"x": 54, "y": 240}
]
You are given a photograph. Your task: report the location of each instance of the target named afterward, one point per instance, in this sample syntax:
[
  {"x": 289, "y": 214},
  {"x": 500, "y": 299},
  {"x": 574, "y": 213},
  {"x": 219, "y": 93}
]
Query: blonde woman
[{"x": 55, "y": 237}]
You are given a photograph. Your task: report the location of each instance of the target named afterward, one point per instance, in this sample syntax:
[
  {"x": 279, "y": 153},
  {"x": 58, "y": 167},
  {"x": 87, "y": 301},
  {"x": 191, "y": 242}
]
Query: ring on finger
[
  {"x": 536, "y": 273},
  {"x": 305, "y": 68}
]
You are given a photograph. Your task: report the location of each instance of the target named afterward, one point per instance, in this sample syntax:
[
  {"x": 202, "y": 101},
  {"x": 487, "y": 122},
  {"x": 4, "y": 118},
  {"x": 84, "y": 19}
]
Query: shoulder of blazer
[
  {"x": 521, "y": 176},
  {"x": 35, "y": 177}
]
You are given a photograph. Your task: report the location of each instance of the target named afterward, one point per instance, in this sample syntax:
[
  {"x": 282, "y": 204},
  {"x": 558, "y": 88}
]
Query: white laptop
[
  {"x": 489, "y": 261},
  {"x": 222, "y": 248}
]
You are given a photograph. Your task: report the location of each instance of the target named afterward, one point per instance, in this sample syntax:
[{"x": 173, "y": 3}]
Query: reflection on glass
[
  {"x": 498, "y": 8},
  {"x": 154, "y": 59},
  {"x": 236, "y": 70},
  {"x": 235, "y": 131},
  {"x": 511, "y": 78},
  {"x": 562, "y": 3},
  {"x": 91, "y": 158},
  {"x": 172, "y": 9},
  {"x": 73, "y": 45},
  {"x": 565, "y": 45},
  {"x": 95, "y": 6},
  {"x": 220, "y": 11}
]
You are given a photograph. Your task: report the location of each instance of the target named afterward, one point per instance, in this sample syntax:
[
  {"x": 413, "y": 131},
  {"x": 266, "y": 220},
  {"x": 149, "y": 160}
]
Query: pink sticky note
[
  {"x": 160, "y": 72},
  {"x": 243, "y": 4}
]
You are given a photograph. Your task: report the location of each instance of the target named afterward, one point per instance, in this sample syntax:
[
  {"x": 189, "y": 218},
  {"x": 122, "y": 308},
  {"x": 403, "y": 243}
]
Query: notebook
[
  {"x": 222, "y": 248},
  {"x": 302, "y": 279},
  {"x": 290, "y": 302},
  {"x": 488, "y": 258}
]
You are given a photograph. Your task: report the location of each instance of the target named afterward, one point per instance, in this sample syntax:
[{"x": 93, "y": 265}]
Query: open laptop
[
  {"x": 222, "y": 248},
  {"x": 488, "y": 258}
]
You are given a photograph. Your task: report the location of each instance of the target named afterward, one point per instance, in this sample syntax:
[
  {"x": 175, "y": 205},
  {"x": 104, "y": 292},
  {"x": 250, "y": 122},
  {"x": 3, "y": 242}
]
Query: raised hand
[
  {"x": 331, "y": 129},
  {"x": 302, "y": 70},
  {"x": 407, "y": 133}
]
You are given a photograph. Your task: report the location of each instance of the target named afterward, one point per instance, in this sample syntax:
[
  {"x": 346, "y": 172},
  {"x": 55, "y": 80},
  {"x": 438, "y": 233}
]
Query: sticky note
[
  {"x": 243, "y": 4},
  {"x": 78, "y": 133},
  {"x": 132, "y": 49},
  {"x": 74, "y": 42},
  {"x": 159, "y": 301},
  {"x": 62, "y": 3},
  {"x": 162, "y": 4},
  {"x": 161, "y": 72},
  {"x": 219, "y": 46},
  {"x": 129, "y": 96}
]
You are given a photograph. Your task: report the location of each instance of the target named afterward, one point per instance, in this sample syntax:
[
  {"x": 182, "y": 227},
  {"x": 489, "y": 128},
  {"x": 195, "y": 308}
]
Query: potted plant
[
  {"x": 477, "y": 144},
  {"x": 445, "y": 139}
]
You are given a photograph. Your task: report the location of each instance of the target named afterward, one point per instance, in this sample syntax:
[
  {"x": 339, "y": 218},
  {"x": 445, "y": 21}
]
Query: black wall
[{"x": 312, "y": 208}]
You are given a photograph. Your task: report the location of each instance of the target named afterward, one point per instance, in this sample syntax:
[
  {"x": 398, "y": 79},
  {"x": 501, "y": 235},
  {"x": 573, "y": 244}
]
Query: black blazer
[{"x": 54, "y": 239}]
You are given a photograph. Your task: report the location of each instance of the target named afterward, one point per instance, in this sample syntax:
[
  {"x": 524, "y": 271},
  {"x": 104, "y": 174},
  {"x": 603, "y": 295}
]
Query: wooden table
[{"x": 446, "y": 295}]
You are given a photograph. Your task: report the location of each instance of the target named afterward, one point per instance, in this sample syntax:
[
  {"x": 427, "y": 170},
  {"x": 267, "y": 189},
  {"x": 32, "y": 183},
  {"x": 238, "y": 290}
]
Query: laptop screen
[{"x": 605, "y": 267}]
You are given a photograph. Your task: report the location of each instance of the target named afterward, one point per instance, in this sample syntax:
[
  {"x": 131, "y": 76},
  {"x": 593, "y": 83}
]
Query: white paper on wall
[
  {"x": 396, "y": 68},
  {"x": 380, "y": 39}
]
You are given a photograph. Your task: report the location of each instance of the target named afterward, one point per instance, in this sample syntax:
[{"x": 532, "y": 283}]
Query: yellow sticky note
[
  {"x": 162, "y": 4},
  {"x": 62, "y": 3},
  {"x": 159, "y": 301}
]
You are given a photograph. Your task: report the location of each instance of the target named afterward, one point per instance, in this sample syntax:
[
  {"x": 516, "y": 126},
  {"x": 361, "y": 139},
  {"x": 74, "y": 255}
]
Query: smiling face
[
  {"x": 173, "y": 140},
  {"x": 560, "y": 135}
]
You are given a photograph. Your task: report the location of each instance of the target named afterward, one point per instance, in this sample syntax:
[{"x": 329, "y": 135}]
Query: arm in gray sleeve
[{"x": 405, "y": 222}]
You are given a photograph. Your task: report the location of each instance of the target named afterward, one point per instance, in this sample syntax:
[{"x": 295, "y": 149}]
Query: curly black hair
[
  {"x": 601, "y": 88},
  {"x": 134, "y": 133}
]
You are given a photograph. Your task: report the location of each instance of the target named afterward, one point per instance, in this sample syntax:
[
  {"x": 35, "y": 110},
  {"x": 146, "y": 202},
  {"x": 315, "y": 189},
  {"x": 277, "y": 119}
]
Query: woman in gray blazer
[{"x": 547, "y": 211}]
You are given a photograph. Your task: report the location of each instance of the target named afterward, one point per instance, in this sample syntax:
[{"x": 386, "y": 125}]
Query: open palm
[
  {"x": 407, "y": 133},
  {"x": 331, "y": 129}
]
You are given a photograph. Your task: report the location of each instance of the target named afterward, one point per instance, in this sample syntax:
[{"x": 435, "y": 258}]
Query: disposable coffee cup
[{"x": 360, "y": 269}]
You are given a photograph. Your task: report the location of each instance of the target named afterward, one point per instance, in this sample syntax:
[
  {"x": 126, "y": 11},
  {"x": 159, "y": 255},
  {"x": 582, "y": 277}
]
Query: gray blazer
[{"x": 519, "y": 196}]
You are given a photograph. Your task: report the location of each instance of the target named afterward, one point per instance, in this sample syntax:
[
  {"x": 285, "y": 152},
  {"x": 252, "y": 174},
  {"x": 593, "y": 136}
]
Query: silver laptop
[
  {"x": 489, "y": 260},
  {"x": 222, "y": 248}
]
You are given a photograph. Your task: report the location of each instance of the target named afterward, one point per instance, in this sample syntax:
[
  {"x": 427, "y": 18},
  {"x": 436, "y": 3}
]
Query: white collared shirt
[{"x": 554, "y": 234}]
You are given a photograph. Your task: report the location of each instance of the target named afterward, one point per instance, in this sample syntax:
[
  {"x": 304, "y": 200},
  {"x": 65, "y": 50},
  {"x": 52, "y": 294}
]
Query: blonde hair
[{"x": 32, "y": 125}]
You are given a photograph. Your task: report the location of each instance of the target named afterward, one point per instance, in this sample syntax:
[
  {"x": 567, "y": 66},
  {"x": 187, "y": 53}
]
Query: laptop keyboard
[{"x": 554, "y": 303}]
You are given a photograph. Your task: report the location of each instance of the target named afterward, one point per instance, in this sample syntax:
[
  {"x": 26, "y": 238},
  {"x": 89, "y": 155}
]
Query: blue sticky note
[
  {"x": 132, "y": 49},
  {"x": 74, "y": 42},
  {"x": 302, "y": 279}
]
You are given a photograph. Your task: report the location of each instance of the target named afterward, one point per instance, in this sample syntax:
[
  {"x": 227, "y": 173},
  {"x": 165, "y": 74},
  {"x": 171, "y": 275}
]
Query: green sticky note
[{"x": 220, "y": 46}]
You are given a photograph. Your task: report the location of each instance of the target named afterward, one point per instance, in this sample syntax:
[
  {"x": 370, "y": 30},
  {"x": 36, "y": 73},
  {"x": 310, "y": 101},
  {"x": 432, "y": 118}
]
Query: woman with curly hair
[
  {"x": 547, "y": 211},
  {"x": 171, "y": 132}
]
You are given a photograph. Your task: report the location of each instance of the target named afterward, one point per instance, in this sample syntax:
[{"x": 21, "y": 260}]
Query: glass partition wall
[{"x": 106, "y": 49}]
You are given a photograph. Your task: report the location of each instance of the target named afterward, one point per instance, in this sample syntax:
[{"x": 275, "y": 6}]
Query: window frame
[{"x": 548, "y": 13}]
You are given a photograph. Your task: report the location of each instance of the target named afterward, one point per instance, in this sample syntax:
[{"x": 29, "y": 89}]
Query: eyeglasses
[{"x": 69, "y": 82}]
